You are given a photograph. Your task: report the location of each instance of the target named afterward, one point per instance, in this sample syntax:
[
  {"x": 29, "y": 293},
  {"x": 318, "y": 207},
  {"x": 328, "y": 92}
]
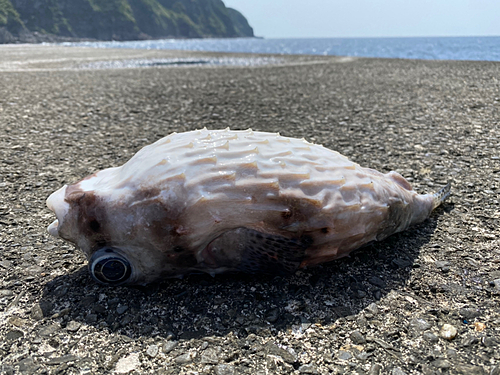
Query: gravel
[{"x": 380, "y": 311}]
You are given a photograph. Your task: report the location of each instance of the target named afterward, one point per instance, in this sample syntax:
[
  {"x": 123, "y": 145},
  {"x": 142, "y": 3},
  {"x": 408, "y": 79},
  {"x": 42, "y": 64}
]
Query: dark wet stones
[
  {"x": 272, "y": 315},
  {"x": 377, "y": 281},
  {"x": 401, "y": 263},
  {"x": 121, "y": 309}
]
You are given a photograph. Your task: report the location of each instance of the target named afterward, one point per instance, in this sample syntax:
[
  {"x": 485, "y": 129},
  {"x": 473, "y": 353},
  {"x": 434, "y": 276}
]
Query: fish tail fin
[{"x": 440, "y": 196}]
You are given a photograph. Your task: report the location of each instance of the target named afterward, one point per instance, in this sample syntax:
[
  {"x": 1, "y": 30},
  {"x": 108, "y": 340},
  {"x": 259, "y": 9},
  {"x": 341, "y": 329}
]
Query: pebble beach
[{"x": 425, "y": 301}]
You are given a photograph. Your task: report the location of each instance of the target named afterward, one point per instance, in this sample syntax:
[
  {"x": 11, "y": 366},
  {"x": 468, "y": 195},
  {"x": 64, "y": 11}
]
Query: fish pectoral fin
[{"x": 251, "y": 251}]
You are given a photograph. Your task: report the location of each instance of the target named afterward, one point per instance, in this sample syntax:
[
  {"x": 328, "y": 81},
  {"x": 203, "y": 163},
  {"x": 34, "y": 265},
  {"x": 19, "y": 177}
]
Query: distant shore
[{"x": 28, "y": 37}]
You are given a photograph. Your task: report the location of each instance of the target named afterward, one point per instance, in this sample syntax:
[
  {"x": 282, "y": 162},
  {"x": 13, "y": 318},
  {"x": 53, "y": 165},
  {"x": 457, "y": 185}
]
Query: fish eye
[{"x": 108, "y": 267}]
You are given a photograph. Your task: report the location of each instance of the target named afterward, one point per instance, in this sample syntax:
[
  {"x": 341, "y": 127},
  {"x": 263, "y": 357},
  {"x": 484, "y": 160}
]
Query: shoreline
[
  {"x": 379, "y": 311},
  {"x": 54, "y": 57}
]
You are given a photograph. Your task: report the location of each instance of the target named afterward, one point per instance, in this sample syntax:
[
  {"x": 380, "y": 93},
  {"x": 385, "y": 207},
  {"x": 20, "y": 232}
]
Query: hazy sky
[{"x": 370, "y": 18}]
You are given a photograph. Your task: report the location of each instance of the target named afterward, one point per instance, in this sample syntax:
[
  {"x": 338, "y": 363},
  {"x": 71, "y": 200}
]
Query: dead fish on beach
[{"x": 230, "y": 201}]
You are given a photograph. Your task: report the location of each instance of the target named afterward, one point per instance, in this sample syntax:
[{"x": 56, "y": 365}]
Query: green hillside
[
  {"x": 9, "y": 18},
  {"x": 123, "y": 19}
]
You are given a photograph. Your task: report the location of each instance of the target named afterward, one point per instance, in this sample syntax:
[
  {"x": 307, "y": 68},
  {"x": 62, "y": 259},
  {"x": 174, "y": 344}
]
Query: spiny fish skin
[{"x": 221, "y": 200}]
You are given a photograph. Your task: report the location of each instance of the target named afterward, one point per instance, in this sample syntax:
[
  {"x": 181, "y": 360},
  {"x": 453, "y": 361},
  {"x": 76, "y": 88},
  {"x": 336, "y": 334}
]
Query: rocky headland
[{"x": 37, "y": 21}]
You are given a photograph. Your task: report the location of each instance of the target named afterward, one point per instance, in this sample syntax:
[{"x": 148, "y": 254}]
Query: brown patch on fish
[{"x": 91, "y": 218}]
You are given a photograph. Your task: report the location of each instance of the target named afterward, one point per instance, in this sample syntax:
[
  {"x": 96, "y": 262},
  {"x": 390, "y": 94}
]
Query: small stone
[
  {"x": 5, "y": 263},
  {"x": 431, "y": 337},
  {"x": 63, "y": 359},
  {"x": 16, "y": 321},
  {"x": 372, "y": 309},
  {"x": 36, "y": 312},
  {"x": 224, "y": 370},
  {"x": 169, "y": 346},
  {"x": 342, "y": 354},
  {"x": 496, "y": 283},
  {"x": 401, "y": 263},
  {"x": 451, "y": 353},
  {"x": 274, "y": 349},
  {"x": 428, "y": 370},
  {"x": 488, "y": 341},
  {"x": 128, "y": 364},
  {"x": 6, "y": 293},
  {"x": 448, "y": 332},
  {"x": 6, "y": 369},
  {"x": 91, "y": 318},
  {"x": 73, "y": 326},
  {"x": 183, "y": 359},
  {"x": 28, "y": 366},
  {"x": 357, "y": 338},
  {"x": 397, "y": 371},
  {"x": 443, "y": 265},
  {"x": 209, "y": 357},
  {"x": 469, "y": 313},
  {"x": 479, "y": 327},
  {"x": 121, "y": 309},
  {"x": 469, "y": 370},
  {"x": 495, "y": 370},
  {"x": 272, "y": 315},
  {"x": 362, "y": 356},
  {"x": 419, "y": 324},
  {"x": 308, "y": 369},
  {"x": 13, "y": 335},
  {"x": 152, "y": 351},
  {"x": 377, "y": 281},
  {"x": 99, "y": 309},
  {"x": 469, "y": 340},
  {"x": 49, "y": 330},
  {"x": 441, "y": 363}
]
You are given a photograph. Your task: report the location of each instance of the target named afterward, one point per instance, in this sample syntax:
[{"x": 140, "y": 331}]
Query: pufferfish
[{"x": 230, "y": 201}]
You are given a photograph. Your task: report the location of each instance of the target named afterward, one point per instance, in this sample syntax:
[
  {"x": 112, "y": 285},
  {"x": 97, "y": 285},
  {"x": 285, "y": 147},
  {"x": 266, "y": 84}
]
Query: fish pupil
[{"x": 113, "y": 270}]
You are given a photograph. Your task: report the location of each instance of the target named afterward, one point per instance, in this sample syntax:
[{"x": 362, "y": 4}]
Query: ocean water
[{"x": 428, "y": 48}]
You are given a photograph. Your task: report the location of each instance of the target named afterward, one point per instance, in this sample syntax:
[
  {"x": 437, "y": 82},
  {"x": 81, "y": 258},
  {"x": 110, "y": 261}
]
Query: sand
[{"x": 380, "y": 311}]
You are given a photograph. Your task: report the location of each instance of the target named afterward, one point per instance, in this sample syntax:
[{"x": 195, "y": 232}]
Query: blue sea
[{"x": 428, "y": 48}]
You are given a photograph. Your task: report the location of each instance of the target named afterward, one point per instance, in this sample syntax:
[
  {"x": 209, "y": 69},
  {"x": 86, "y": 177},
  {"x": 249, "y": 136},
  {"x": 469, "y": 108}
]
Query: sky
[{"x": 365, "y": 18}]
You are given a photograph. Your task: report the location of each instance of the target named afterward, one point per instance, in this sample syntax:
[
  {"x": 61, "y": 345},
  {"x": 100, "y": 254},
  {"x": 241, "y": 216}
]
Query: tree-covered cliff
[{"x": 121, "y": 19}]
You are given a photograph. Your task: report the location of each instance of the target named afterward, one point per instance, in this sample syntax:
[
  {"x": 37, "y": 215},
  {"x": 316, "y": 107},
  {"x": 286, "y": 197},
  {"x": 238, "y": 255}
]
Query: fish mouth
[
  {"x": 52, "y": 228},
  {"x": 60, "y": 207}
]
